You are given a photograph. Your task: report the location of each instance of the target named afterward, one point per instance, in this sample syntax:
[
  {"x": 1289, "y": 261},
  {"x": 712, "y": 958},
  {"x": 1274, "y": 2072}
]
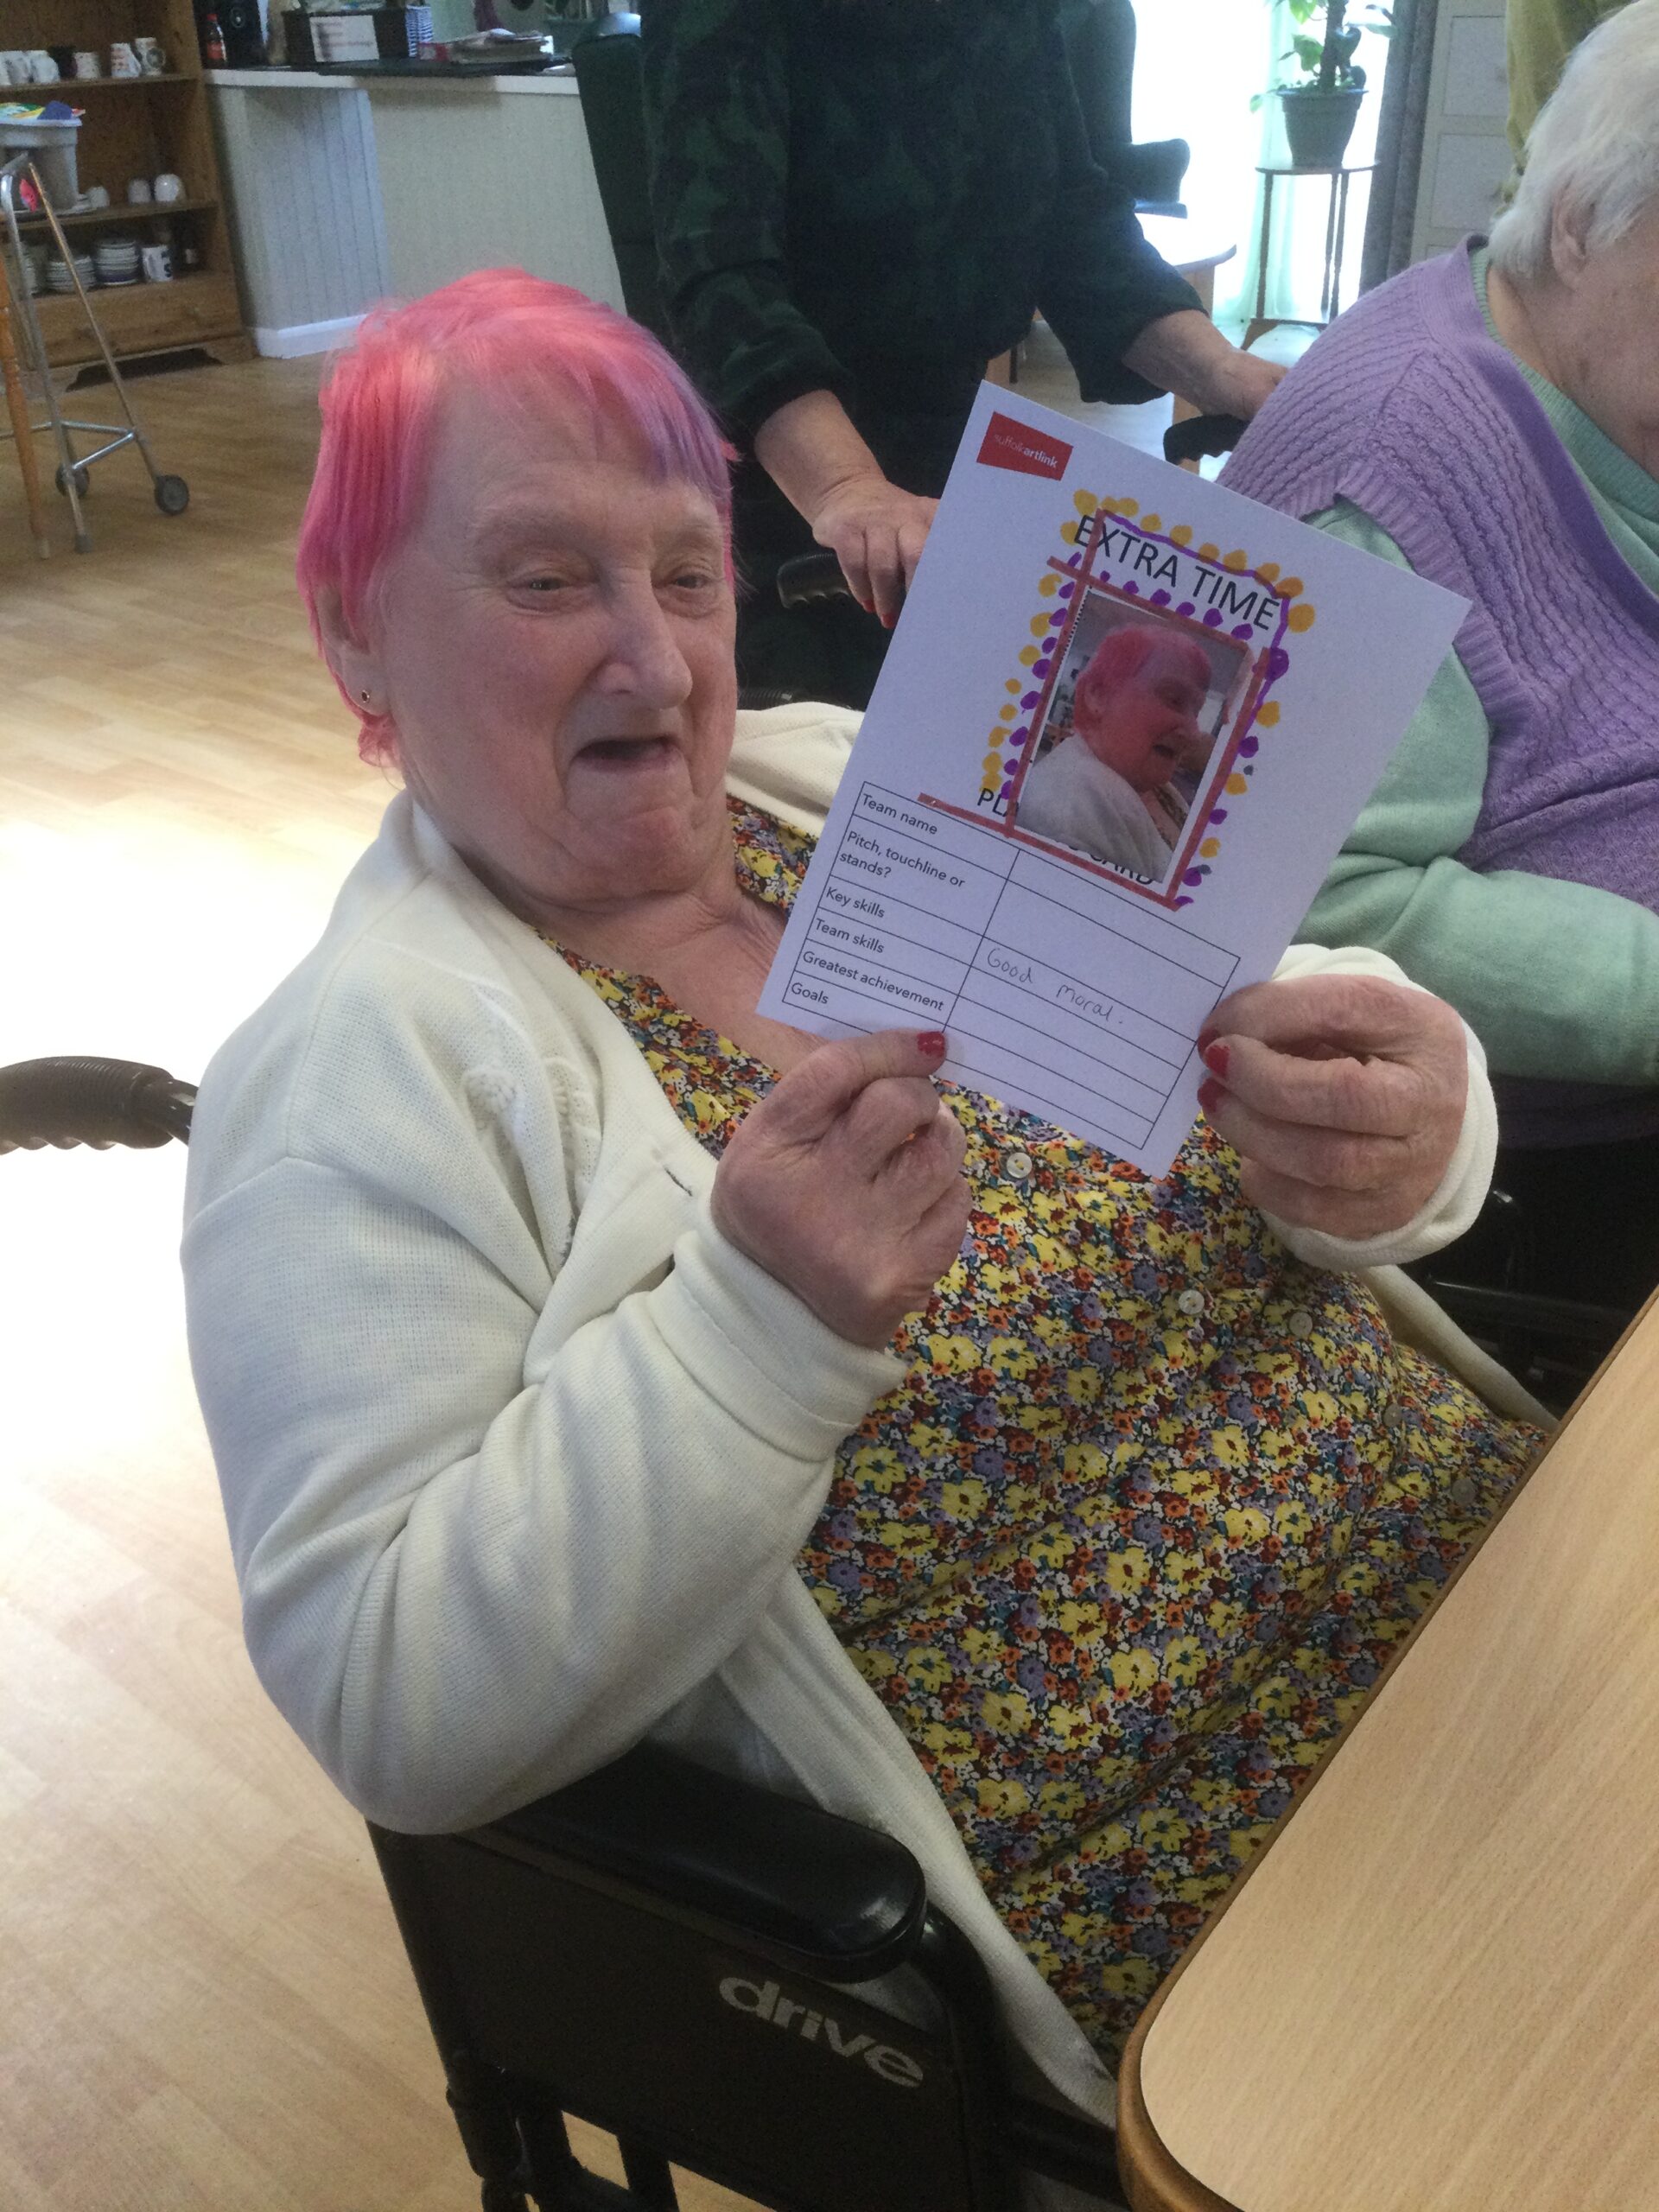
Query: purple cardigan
[{"x": 1411, "y": 409}]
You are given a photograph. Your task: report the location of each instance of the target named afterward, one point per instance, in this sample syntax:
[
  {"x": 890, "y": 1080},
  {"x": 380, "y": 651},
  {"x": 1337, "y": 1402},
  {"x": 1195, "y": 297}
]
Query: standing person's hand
[
  {"x": 1186, "y": 354},
  {"x": 1343, "y": 1095},
  {"x": 877, "y": 532},
  {"x": 1236, "y": 385},
  {"x": 845, "y": 1183},
  {"x": 812, "y": 451}
]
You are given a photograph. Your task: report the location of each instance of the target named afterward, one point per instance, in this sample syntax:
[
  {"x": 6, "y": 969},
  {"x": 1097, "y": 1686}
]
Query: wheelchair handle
[
  {"x": 1202, "y": 434},
  {"x": 69, "y": 1100},
  {"x": 810, "y": 577}
]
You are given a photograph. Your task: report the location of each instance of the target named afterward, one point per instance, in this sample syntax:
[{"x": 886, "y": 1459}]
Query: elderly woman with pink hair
[{"x": 588, "y": 1356}]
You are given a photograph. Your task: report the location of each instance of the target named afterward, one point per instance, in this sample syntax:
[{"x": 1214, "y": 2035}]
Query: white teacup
[
  {"x": 152, "y": 56},
  {"x": 89, "y": 65},
  {"x": 169, "y": 188},
  {"x": 96, "y": 195},
  {"x": 158, "y": 264},
  {"x": 41, "y": 67},
  {"x": 123, "y": 62},
  {"x": 138, "y": 192},
  {"x": 14, "y": 66}
]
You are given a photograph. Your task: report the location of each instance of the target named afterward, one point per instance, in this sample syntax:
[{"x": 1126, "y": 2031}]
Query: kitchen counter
[
  {"x": 558, "y": 79},
  {"x": 346, "y": 188}
]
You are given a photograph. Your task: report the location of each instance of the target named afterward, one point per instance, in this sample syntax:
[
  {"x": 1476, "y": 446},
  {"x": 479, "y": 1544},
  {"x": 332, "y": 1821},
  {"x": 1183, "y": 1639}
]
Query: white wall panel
[
  {"x": 1476, "y": 68},
  {"x": 1465, "y": 160},
  {"x": 343, "y": 192},
  {"x": 482, "y": 176},
  {"x": 304, "y": 197}
]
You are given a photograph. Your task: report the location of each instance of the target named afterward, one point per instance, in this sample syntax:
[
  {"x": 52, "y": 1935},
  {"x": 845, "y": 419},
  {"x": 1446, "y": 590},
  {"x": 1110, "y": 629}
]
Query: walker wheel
[
  {"x": 172, "y": 494},
  {"x": 83, "y": 480}
]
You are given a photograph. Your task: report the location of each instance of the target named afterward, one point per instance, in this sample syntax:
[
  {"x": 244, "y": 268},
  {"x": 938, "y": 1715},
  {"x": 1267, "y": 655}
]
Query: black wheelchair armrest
[
  {"x": 807, "y": 578},
  {"x": 69, "y": 1100},
  {"x": 1201, "y": 435},
  {"x": 1478, "y": 1306},
  {"x": 825, "y": 1896}
]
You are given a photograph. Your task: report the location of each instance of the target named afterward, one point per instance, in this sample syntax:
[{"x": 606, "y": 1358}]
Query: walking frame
[{"x": 172, "y": 493}]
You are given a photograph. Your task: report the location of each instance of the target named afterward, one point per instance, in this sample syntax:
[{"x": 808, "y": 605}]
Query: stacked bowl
[
  {"x": 116, "y": 260},
  {"x": 58, "y": 278}
]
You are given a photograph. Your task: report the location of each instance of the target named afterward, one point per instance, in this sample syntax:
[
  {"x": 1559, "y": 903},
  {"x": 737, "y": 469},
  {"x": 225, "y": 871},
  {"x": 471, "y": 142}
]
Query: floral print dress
[{"x": 1137, "y": 1532}]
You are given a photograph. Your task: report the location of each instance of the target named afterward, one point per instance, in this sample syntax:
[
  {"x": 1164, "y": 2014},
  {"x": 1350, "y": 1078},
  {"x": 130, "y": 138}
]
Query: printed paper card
[{"x": 1125, "y": 722}]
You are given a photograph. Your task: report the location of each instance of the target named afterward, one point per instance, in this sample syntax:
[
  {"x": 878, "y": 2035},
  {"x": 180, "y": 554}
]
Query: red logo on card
[{"x": 1015, "y": 445}]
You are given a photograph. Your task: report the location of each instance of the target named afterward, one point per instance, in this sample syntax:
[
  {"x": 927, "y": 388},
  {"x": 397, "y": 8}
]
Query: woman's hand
[
  {"x": 1185, "y": 353},
  {"x": 820, "y": 463},
  {"x": 1236, "y": 386},
  {"x": 1343, "y": 1095},
  {"x": 846, "y": 1182},
  {"x": 877, "y": 532}
]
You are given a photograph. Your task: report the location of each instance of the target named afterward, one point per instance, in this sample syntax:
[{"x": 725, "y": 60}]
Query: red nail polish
[
  {"x": 1216, "y": 1057},
  {"x": 932, "y": 1044},
  {"x": 1210, "y": 1095},
  {"x": 1206, "y": 1039}
]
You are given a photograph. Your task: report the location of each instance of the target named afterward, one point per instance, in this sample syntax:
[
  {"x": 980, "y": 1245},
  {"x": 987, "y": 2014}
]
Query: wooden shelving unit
[
  {"x": 116, "y": 219},
  {"x": 132, "y": 127}
]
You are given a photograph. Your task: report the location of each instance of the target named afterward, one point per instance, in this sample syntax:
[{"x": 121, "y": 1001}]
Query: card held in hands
[{"x": 1125, "y": 722}]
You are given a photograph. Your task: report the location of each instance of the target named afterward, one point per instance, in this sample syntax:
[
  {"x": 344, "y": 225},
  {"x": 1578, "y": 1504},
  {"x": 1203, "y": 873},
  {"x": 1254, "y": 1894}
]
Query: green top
[
  {"x": 1556, "y": 979},
  {"x": 1541, "y": 36},
  {"x": 873, "y": 199}
]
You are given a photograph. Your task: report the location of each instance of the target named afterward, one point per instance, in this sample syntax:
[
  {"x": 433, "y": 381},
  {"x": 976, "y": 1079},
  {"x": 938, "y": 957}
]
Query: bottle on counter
[{"x": 213, "y": 43}]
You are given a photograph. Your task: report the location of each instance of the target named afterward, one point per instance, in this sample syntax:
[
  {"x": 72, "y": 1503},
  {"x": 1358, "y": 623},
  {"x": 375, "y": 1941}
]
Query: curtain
[{"x": 1399, "y": 143}]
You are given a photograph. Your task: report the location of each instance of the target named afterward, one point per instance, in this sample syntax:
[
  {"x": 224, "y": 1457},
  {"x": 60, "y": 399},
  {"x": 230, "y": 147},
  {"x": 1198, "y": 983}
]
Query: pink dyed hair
[
  {"x": 506, "y": 335},
  {"x": 1122, "y": 654}
]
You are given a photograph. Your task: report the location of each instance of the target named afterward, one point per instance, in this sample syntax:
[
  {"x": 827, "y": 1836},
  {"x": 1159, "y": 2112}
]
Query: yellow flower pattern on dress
[{"x": 1125, "y": 1549}]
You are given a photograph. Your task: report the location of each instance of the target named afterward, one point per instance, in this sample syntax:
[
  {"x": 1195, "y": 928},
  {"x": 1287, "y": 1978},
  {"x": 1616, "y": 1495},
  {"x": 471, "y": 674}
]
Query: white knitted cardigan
[{"x": 517, "y": 1451}]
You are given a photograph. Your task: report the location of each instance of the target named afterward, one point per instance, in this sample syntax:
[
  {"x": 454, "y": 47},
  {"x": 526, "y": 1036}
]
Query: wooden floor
[{"x": 204, "y": 2006}]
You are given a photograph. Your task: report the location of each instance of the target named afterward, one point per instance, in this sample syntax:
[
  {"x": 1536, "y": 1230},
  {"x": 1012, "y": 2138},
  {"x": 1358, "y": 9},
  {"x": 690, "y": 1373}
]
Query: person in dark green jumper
[{"x": 858, "y": 204}]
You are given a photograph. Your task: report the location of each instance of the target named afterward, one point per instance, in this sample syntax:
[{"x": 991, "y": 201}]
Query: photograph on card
[{"x": 1134, "y": 734}]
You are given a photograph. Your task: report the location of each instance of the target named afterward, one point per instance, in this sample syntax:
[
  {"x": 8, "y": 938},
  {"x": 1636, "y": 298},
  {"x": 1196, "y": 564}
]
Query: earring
[{"x": 363, "y": 696}]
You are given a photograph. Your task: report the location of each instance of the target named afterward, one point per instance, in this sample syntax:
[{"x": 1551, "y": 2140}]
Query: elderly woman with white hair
[{"x": 1491, "y": 419}]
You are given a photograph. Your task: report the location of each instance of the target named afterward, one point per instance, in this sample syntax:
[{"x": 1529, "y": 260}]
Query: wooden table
[{"x": 1438, "y": 1990}]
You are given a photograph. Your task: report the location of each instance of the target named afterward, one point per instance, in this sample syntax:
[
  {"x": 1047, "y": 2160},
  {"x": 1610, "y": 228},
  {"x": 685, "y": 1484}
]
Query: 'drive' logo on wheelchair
[{"x": 764, "y": 2000}]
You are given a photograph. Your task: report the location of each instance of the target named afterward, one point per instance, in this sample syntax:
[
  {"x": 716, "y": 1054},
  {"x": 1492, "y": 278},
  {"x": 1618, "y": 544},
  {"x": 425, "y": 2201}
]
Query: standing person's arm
[
  {"x": 717, "y": 123},
  {"x": 717, "y": 111},
  {"x": 1131, "y": 326}
]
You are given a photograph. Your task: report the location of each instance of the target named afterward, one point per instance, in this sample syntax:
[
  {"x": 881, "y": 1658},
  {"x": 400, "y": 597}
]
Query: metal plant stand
[{"x": 73, "y": 477}]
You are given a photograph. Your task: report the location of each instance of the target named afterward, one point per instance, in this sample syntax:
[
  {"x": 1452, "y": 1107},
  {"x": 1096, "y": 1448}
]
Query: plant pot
[{"x": 1318, "y": 126}]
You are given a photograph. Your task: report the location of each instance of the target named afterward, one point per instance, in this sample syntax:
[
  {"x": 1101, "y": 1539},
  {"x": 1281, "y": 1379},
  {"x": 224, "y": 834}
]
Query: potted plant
[{"x": 1321, "y": 101}]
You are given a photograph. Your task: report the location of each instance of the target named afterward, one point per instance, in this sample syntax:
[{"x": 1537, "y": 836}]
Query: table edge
[{"x": 1164, "y": 2185}]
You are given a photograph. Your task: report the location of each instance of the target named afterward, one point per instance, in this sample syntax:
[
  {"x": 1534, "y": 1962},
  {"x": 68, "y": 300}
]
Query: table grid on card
[{"x": 924, "y": 919}]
